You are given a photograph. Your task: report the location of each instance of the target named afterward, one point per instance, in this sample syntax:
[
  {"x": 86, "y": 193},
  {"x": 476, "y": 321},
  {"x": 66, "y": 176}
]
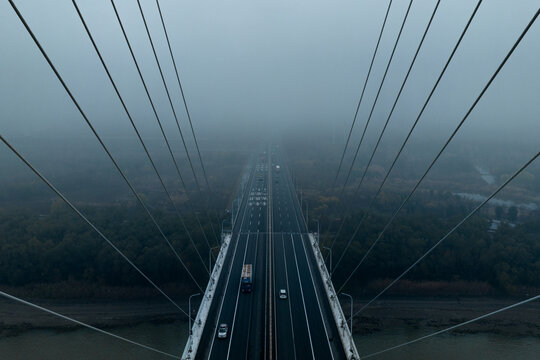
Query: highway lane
[
  {"x": 270, "y": 234},
  {"x": 243, "y": 312},
  {"x": 314, "y": 334}
]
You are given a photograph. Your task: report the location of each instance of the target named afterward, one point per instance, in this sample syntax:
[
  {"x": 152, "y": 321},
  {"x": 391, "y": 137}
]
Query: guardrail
[
  {"x": 202, "y": 315},
  {"x": 339, "y": 317}
]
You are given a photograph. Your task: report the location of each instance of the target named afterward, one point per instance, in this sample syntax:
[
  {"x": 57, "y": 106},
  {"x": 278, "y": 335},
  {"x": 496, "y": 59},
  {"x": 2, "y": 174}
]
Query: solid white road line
[
  {"x": 288, "y": 292},
  {"x": 303, "y": 299},
  {"x": 311, "y": 273}
]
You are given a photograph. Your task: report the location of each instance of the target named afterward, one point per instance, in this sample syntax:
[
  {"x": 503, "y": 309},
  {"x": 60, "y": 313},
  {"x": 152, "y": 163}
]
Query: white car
[
  {"x": 222, "y": 331},
  {"x": 282, "y": 294}
]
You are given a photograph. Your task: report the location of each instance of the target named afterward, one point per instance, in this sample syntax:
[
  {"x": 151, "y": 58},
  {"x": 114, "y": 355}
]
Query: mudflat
[
  {"x": 440, "y": 313},
  {"x": 16, "y": 318}
]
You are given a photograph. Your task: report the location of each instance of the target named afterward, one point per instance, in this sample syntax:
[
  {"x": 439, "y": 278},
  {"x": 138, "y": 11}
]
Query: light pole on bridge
[{"x": 351, "y": 313}]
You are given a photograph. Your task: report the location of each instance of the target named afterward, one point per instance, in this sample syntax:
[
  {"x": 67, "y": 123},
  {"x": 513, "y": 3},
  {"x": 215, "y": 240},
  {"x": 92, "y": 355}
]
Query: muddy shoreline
[
  {"x": 439, "y": 313},
  {"x": 435, "y": 313},
  {"x": 18, "y": 318}
]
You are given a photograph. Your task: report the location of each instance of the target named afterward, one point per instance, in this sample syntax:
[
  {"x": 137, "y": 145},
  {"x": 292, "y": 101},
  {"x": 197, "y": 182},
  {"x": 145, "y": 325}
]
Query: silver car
[
  {"x": 222, "y": 331},
  {"x": 282, "y": 294}
]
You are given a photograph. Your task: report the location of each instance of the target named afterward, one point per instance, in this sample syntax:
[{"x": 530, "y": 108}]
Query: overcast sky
[{"x": 260, "y": 65}]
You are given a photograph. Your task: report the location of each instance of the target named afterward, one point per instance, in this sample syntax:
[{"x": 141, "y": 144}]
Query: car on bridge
[
  {"x": 223, "y": 331},
  {"x": 283, "y": 294}
]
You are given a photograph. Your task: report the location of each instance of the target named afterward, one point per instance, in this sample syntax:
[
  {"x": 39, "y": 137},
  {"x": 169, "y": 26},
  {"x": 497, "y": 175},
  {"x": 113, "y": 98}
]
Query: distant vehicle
[
  {"x": 222, "y": 331},
  {"x": 246, "y": 282},
  {"x": 277, "y": 167},
  {"x": 282, "y": 294}
]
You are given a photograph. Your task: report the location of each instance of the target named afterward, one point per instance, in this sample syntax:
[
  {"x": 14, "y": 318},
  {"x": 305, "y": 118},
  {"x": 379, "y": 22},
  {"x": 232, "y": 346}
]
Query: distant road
[{"x": 271, "y": 235}]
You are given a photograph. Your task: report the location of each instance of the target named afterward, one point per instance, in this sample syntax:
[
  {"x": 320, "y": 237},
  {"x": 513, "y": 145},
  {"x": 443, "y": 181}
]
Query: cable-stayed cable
[
  {"x": 386, "y": 123},
  {"x": 82, "y": 216},
  {"x": 183, "y": 96},
  {"x": 168, "y": 94},
  {"x": 138, "y": 134},
  {"x": 151, "y": 101},
  {"x": 76, "y": 103},
  {"x": 362, "y": 94},
  {"x": 154, "y": 109},
  {"x": 188, "y": 116},
  {"x": 397, "y": 97},
  {"x": 531, "y": 299},
  {"x": 501, "y": 65},
  {"x": 417, "y": 119},
  {"x": 373, "y": 107},
  {"x": 376, "y": 97},
  {"x": 450, "y": 232},
  {"x": 148, "y": 96},
  {"x": 35, "y": 306}
]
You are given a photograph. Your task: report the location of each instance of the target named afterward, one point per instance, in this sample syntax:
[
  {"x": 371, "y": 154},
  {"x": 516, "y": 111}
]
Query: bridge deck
[{"x": 270, "y": 234}]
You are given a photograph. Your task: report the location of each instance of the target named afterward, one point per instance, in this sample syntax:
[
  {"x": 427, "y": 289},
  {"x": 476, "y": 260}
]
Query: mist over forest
[{"x": 250, "y": 84}]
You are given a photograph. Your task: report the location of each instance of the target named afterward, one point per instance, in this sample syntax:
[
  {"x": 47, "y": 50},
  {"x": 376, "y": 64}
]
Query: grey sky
[{"x": 254, "y": 65}]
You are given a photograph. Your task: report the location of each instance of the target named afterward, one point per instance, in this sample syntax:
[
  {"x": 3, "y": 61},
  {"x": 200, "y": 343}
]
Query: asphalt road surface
[{"x": 270, "y": 233}]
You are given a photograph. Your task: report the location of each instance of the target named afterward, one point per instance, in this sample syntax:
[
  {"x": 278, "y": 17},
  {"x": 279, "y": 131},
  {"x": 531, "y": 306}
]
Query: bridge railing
[
  {"x": 202, "y": 315},
  {"x": 345, "y": 334}
]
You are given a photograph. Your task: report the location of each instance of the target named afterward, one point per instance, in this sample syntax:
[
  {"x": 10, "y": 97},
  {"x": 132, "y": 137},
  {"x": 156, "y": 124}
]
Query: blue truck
[{"x": 247, "y": 280}]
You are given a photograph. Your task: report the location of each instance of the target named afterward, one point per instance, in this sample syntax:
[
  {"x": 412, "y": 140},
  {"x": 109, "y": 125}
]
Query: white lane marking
[
  {"x": 229, "y": 274},
  {"x": 251, "y": 302},
  {"x": 312, "y": 280},
  {"x": 288, "y": 292},
  {"x": 237, "y": 298},
  {"x": 303, "y": 300},
  {"x": 316, "y": 293}
]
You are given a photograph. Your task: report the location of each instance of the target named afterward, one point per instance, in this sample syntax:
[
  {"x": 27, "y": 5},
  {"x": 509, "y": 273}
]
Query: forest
[{"x": 44, "y": 245}]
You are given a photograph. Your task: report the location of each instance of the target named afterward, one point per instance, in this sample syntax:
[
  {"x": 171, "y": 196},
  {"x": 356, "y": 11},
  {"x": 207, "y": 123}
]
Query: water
[
  {"x": 85, "y": 344},
  {"x": 448, "y": 346}
]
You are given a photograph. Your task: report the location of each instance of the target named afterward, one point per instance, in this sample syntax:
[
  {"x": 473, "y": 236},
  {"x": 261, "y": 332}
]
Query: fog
[
  {"x": 289, "y": 74},
  {"x": 252, "y": 71},
  {"x": 252, "y": 67}
]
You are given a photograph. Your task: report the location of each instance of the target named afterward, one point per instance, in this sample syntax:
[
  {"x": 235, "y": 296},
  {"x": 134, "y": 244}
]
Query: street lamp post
[
  {"x": 189, "y": 312},
  {"x": 351, "y": 313},
  {"x": 330, "y": 251}
]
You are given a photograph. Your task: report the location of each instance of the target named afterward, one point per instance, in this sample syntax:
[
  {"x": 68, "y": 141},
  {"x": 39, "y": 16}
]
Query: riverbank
[
  {"x": 438, "y": 313},
  {"x": 417, "y": 313},
  {"x": 17, "y": 318}
]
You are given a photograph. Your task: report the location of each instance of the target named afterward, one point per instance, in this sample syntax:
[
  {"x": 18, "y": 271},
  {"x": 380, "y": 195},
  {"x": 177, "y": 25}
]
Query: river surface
[
  {"x": 85, "y": 344},
  {"x": 448, "y": 346}
]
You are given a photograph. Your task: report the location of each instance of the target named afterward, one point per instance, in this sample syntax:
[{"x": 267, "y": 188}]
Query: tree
[
  {"x": 499, "y": 212},
  {"x": 512, "y": 213}
]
